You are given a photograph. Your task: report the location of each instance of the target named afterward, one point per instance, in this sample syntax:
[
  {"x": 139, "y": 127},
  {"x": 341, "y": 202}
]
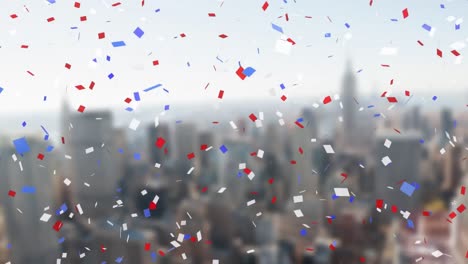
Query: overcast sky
[{"x": 316, "y": 63}]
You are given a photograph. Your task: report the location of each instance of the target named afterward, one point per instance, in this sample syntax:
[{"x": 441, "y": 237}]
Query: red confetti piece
[
  {"x": 327, "y": 100},
  {"x": 407, "y": 93},
  {"x": 293, "y": 162},
  {"x": 309, "y": 249},
  {"x": 345, "y": 176},
  {"x": 203, "y": 147},
  {"x": 24, "y": 46},
  {"x": 116, "y": 4},
  {"x": 420, "y": 43},
  {"x": 371, "y": 1},
  {"x": 77, "y": 5},
  {"x": 58, "y": 225},
  {"x": 332, "y": 247},
  {"x": 394, "y": 209},
  {"x": 283, "y": 98},
  {"x": 81, "y": 109},
  {"x": 240, "y": 73},
  {"x": 291, "y": 41},
  {"x": 182, "y": 35},
  {"x": 247, "y": 171},
  {"x": 161, "y": 253},
  {"x": 223, "y": 36},
  {"x": 286, "y": 17},
  {"x": 91, "y": 85},
  {"x": 362, "y": 259},
  {"x": 308, "y": 17},
  {"x": 190, "y": 156},
  {"x": 30, "y": 73},
  {"x": 452, "y": 215},
  {"x": 383, "y": 94},
  {"x": 67, "y": 65},
  {"x": 265, "y": 6},
  {"x": 456, "y": 53},
  {"x": 103, "y": 248},
  {"x": 128, "y": 100},
  {"x": 40, "y": 156},
  {"x": 211, "y": 14},
  {"x": 220, "y": 94},
  {"x": 155, "y": 63},
  {"x": 11, "y": 193},
  {"x": 405, "y": 13},
  {"x": 152, "y": 206},
  {"x": 13, "y": 16},
  {"x": 147, "y": 246},
  {"x": 298, "y": 124},
  {"x": 463, "y": 190},
  {"x": 83, "y": 18},
  {"x": 63, "y": 140},
  {"x": 80, "y": 87},
  {"x": 391, "y": 82},
  {"x": 273, "y": 200},
  {"x": 439, "y": 53},
  {"x": 466, "y": 255},
  {"x": 160, "y": 142},
  {"x": 385, "y": 65},
  {"x": 396, "y": 130},
  {"x": 392, "y": 99},
  {"x": 101, "y": 35},
  {"x": 252, "y": 117},
  {"x": 426, "y": 213},
  {"x": 301, "y": 151},
  {"x": 461, "y": 208},
  {"x": 50, "y": 19},
  {"x": 379, "y": 204},
  {"x": 271, "y": 180}
]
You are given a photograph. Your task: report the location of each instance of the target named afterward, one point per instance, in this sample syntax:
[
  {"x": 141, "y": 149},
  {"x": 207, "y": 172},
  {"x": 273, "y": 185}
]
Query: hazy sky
[{"x": 315, "y": 63}]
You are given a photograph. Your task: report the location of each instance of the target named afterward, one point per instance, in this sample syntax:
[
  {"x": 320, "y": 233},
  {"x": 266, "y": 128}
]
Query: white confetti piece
[
  {"x": 45, "y": 217},
  {"x": 386, "y": 160},
  {"x": 387, "y": 143},
  {"x": 298, "y": 199},
  {"x": 298, "y": 213},
  {"x": 134, "y": 124},
  {"x": 342, "y": 192},
  {"x": 328, "y": 149}
]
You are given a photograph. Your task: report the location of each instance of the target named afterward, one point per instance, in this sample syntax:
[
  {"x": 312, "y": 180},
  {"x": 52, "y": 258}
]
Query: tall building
[
  {"x": 446, "y": 125},
  {"x": 208, "y": 161},
  {"x": 405, "y": 155},
  {"x": 185, "y": 144},
  {"x": 159, "y": 155},
  {"x": 92, "y": 167},
  {"x": 348, "y": 94},
  {"x": 32, "y": 241}
]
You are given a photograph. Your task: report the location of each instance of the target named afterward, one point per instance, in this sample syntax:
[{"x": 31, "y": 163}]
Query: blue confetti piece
[
  {"x": 347, "y": 25},
  {"x": 138, "y": 32},
  {"x": 421, "y": 141},
  {"x": 333, "y": 217},
  {"x": 442, "y": 6},
  {"x": 21, "y": 145},
  {"x": 327, "y": 35},
  {"x": 360, "y": 70},
  {"x": 223, "y": 149},
  {"x": 188, "y": 64},
  {"x": 61, "y": 240},
  {"x": 248, "y": 71},
  {"x": 410, "y": 224},
  {"x": 178, "y": 121},
  {"x": 427, "y": 27},
  {"x": 371, "y": 106},
  {"x": 28, "y": 189},
  {"x": 376, "y": 115},
  {"x": 239, "y": 174},
  {"x": 300, "y": 120},
  {"x": 1, "y": 90},
  {"x": 117, "y": 44},
  {"x": 153, "y": 256},
  {"x": 277, "y": 28},
  {"x": 147, "y": 213},
  {"x": 129, "y": 109},
  {"x": 136, "y": 95},
  {"x": 121, "y": 150},
  {"x": 157, "y": 10},
  {"x": 24, "y": 123},
  {"x": 394, "y": 20},
  {"x": 110, "y": 76},
  {"x": 152, "y": 87},
  {"x": 164, "y": 89},
  {"x": 351, "y": 199},
  {"x": 73, "y": 27},
  {"x": 51, "y": 1},
  {"x": 334, "y": 197},
  {"x": 282, "y": 86},
  {"x": 457, "y": 27},
  {"x": 49, "y": 148},
  {"x": 454, "y": 123},
  {"x": 303, "y": 232},
  {"x": 108, "y": 58},
  {"x": 137, "y": 156},
  {"x": 95, "y": 60},
  {"x": 187, "y": 236},
  {"x": 434, "y": 98},
  {"x": 119, "y": 259},
  {"x": 166, "y": 107},
  {"x": 46, "y": 137},
  {"x": 45, "y": 98},
  {"x": 407, "y": 189}
]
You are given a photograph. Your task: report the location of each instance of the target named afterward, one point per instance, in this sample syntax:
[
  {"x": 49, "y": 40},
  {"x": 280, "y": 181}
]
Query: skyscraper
[
  {"x": 92, "y": 168},
  {"x": 405, "y": 156},
  {"x": 446, "y": 125},
  {"x": 185, "y": 144},
  {"x": 31, "y": 241},
  {"x": 348, "y": 94}
]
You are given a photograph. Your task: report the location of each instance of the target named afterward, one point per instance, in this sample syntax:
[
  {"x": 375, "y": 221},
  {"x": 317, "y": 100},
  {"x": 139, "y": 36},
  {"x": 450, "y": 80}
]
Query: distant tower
[
  {"x": 347, "y": 97},
  {"x": 446, "y": 125}
]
